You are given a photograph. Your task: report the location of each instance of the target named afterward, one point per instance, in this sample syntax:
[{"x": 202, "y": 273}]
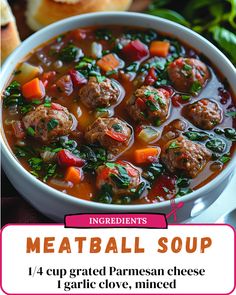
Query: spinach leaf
[
  {"x": 70, "y": 53},
  {"x": 225, "y": 158},
  {"x": 182, "y": 182},
  {"x": 216, "y": 145},
  {"x": 183, "y": 191},
  {"x": 226, "y": 40},
  {"x": 12, "y": 95},
  {"x": 53, "y": 123},
  {"x": 153, "y": 171},
  {"x": 94, "y": 155},
  {"x": 230, "y": 133},
  {"x": 196, "y": 135}
]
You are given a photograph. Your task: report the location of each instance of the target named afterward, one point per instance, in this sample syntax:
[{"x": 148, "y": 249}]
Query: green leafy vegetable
[
  {"x": 53, "y": 123},
  {"x": 47, "y": 101},
  {"x": 151, "y": 106},
  {"x": 231, "y": 114},
  {"x": 225, "y": 158},
  {"x": 183, "y": 191},
  {"x": 103, "y": 34},
  {"x": 171, "y": 15},
  {"x": 182, "y": 182},
  {"x": 153, "y": 171},
  {"x": 30, "y": 131},
  {"x": 145, "y": 36},
  {"x": 196, "y": 135},
  {"x": 12, "y": 95},
  {"x": 122, "y": 180},
  {"x": 195, "y": 87},
  {"x": 226, "y": 40},
  {"x": 230, "y": 133},
  {"x": 94, "y": 155},
  {"x": 173, "y": 145},
  {"x": 69, "y": 53},
  {"x": 214, "y": 19},
  {"x": 216, "y": 145}
]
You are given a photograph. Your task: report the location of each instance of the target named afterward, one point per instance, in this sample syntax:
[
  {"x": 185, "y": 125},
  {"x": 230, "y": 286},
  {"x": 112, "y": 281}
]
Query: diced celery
[{"x": 148, "y": 134}]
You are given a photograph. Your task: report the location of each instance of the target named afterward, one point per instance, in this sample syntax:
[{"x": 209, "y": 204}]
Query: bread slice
[
  {"x": 44, "y": 12},
  {"x": 9, "y": 35}
]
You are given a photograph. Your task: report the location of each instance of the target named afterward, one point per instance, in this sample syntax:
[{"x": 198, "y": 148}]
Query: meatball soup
[{"x": 119, "y": 115}]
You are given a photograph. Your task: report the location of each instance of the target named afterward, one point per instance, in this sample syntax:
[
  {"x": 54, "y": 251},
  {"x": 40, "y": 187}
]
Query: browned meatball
[
  {"x": 183, "y": 155},
  {"x": 203, "y": 113},
  {"x": 173, "y": 130},
  {"x": 48, "y": 123},
  {"x": 188, "y": 74},
  {"x": 121, "y": 176},
  {"x": 149, "y": 105},
  {"x": 112, "y": 133},
  {"x": 99, "y": 93}
]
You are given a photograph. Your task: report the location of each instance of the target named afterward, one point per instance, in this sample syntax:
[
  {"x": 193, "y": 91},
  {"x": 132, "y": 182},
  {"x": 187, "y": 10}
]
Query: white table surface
[{"x": 225, "y": 203}]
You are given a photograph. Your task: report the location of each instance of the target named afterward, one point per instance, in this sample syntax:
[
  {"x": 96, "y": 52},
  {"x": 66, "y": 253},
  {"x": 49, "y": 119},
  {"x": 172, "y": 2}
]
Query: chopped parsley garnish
[
  {"x": 35, "y": 163},
  {"x": 26, "y": 108},
  {"x": 117, "y": 127},
  {"x": 173, "y": 145},
  {"x": 152, "y": 107},
  {"x": 47, "y": 101},
  {"x": 155, "y": 95},
  {"x": 196, "y": 87},
  {"x": 225, "y": 158},
  {"x": 50, "y": 171},
  {"x": 36, "y": 101},
  {"x": 186, "y": 97},
  {"x": 100, "y": 78},
  {"x": 53, "y": 123},
  {"x": 187, "y": 67},
  {"x": 30, "y": 131}
]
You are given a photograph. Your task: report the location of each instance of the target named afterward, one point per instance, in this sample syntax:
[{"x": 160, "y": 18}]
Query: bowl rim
[{"x": 6, "y": 150}]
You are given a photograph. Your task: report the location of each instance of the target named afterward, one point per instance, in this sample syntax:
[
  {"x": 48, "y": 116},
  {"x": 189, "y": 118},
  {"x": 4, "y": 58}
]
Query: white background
[{"x": 218, "y": 260}]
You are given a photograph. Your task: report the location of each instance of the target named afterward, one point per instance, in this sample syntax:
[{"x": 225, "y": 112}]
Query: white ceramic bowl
[{"x": 55, "y": 204}]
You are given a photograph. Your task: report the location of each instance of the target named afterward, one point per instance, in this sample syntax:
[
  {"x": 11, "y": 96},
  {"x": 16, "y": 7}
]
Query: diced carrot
[
  {"x": 74, "y": 175},
  {"x": 159, "y": 48},
  {"x": 146, "y": 155},
  {"x": 108, "y": 62},
  {"x": 33, "y": 89}
]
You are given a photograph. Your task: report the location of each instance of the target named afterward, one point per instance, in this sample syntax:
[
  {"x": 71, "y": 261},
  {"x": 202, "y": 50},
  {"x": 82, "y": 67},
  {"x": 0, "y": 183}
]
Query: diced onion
[
  {"x": 20, "y": 143},
  {"x": 48, "y": 156},
  {"x": 96, "y": 50},
  {"x": 9, "y": 121},
  {"x": 60, "y": 183},
  {"x": 148, "y": 134}
]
